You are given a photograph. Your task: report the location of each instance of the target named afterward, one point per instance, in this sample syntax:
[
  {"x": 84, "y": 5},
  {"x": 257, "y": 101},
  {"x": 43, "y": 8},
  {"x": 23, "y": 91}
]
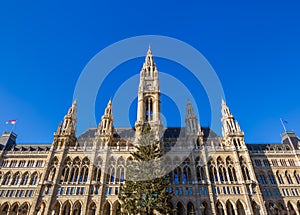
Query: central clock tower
[{"x": 148, "y": 113}]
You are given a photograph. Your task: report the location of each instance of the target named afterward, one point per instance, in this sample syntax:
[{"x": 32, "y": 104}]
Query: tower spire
[
  {"x": 194, "y": 134},
  {"x": 148, "y": 96},
  {"x": 231, "y": 129},
  {"x": 192, "y": 124},
  {"x": 66, "y": 130},
  {"x": 105, "y": 127},
  {"x": 149, "y": 49},
  {"x": 230, "y": 125},
  {"x": 68, "y": 126}
]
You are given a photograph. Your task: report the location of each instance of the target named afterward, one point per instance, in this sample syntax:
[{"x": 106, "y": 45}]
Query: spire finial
[
  {"x": 149, "y": 49},
  {"x": 223, "y": 102},
  {"x": 189, "y": 109}
]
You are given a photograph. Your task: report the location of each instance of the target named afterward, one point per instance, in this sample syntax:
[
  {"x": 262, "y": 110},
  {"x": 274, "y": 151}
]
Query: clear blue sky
[{"x": 253, "y": 46}]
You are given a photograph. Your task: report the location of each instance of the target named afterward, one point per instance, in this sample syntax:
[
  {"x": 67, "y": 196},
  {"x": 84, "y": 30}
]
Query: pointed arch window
[
  {"x": 34, "y": 179},
  {"x": 149, "y": 109},
  {"x": 74, "y": 174},
  {"x": 271, "y": 178},
  {"x": 6, "y": 179},
  {"x": 25, "y": 178},
  {"x": 177, "y": 176},
  {"x": 222, "y": 174},
  {"x": 297, "y": 177},
  {"x": 262, "y": 179},
  {"x": 120, "y": 174},
  {"x": 288, "y": 177},
  {"x": 16, "y": 179},
  {"x": 83, "y": 174},
  {"x": 232, "y": 174},
  {"x": 279, "y": 178},
  {"x": 186, "y": 175},
  {"x": 200, "y": 173},
  {"x": 52, "y": 173},
  {"x": 213, "y": 174},
  {"x": 96, "y": 174},
  {"x": 110, "y": 177},
  {"x": 245, "y": 173},
  {"x": 65, "y": 174}
]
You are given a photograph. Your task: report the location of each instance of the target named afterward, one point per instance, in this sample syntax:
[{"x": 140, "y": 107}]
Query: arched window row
[
  {"x": 278, "y": 208},
  {"x": 67, "y": 208},
  {"x": 16, "y": 193},
  {"x": 15, "y": 208},
  {"x": 109, "y": 208},
  {"x": 190, "y": 208},
  {"x": 229, "y": 208},
  {"x": 238, "y": 143},
  {"x": 75, "y": 171},
  {"x": 114, "y": 174},
  {"x": 183, "y": 175},
  {"x": 288, "y": 177},
  {"x": 220, "y": 171},
  {"x": 22, "y": 163},
  {"x": 18, "y": 178}
]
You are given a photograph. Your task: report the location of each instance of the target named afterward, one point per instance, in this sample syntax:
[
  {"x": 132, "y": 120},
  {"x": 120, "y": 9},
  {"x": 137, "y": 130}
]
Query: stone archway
[
  {"x": 56, "y": 208},
  {"x": 281, "y": 209},
  {"x": 92, "y": 209},
  {"x": 272, "y": 208},
  {"x": 66, "y": 209},
  {"x": 204, "y": 208},
  {"x": 116, "y": 208},
  {"x": 24, "y": 209},
  {"x": 255, "y": 208},
  {"x": 106, "y": 208},
  {"x": 77, "y": 208},
  {"x": 291, "y": 208},
  {"x": 179, "y": 208},
  {"x": 190, "y": 208},
  {"x": 240, "y": 208},
  {"x": 229, "y": 208},
  {"x": 14, "y": 209},
  {"x": 4, "y": 209},
  {"x": 219, "y": 208}
]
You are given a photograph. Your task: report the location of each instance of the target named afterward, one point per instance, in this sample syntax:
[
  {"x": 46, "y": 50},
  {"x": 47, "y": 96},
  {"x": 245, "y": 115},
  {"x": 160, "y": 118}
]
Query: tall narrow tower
[
  {"x": 148, "y": 110},
  {"x": 232, "y": 133},
  {"x": 193, "y": 129},
  {"x": 65, "y": 136},
  {"x": 105, "y": 127}
]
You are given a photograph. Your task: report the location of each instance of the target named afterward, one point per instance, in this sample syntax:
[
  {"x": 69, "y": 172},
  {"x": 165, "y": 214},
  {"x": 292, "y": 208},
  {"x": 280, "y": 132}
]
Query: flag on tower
[{"x": 11, "y": 121}]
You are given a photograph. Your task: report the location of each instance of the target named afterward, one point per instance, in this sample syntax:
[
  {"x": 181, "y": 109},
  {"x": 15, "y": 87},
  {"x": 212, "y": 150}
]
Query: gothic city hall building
[{"x": 209, "y": 174}]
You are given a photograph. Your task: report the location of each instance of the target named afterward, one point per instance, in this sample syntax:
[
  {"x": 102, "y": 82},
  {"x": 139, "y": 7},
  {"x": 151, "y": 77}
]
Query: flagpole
[
  {"x": 12, "y": 127},
  {"x": 289, "y": 139},
  {"x": 283, "y": 125}
]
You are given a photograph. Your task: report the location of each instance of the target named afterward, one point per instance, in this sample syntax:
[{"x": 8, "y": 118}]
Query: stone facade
[{"x": 209, "y": 174}]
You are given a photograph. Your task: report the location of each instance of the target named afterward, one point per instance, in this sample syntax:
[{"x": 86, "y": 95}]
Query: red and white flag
[{"x": 11, "y": 121}]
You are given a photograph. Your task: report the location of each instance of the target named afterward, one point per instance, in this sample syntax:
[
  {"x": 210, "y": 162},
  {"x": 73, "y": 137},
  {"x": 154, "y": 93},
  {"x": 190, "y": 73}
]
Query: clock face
[{"x": 148, "y": 85}]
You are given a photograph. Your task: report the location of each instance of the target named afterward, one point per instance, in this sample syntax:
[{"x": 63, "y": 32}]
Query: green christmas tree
[{"x": 146, "y": 186}]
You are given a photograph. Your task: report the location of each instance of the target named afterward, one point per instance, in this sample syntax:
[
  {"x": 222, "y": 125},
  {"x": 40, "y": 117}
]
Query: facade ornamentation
[{"x": 82, "y": 175}]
